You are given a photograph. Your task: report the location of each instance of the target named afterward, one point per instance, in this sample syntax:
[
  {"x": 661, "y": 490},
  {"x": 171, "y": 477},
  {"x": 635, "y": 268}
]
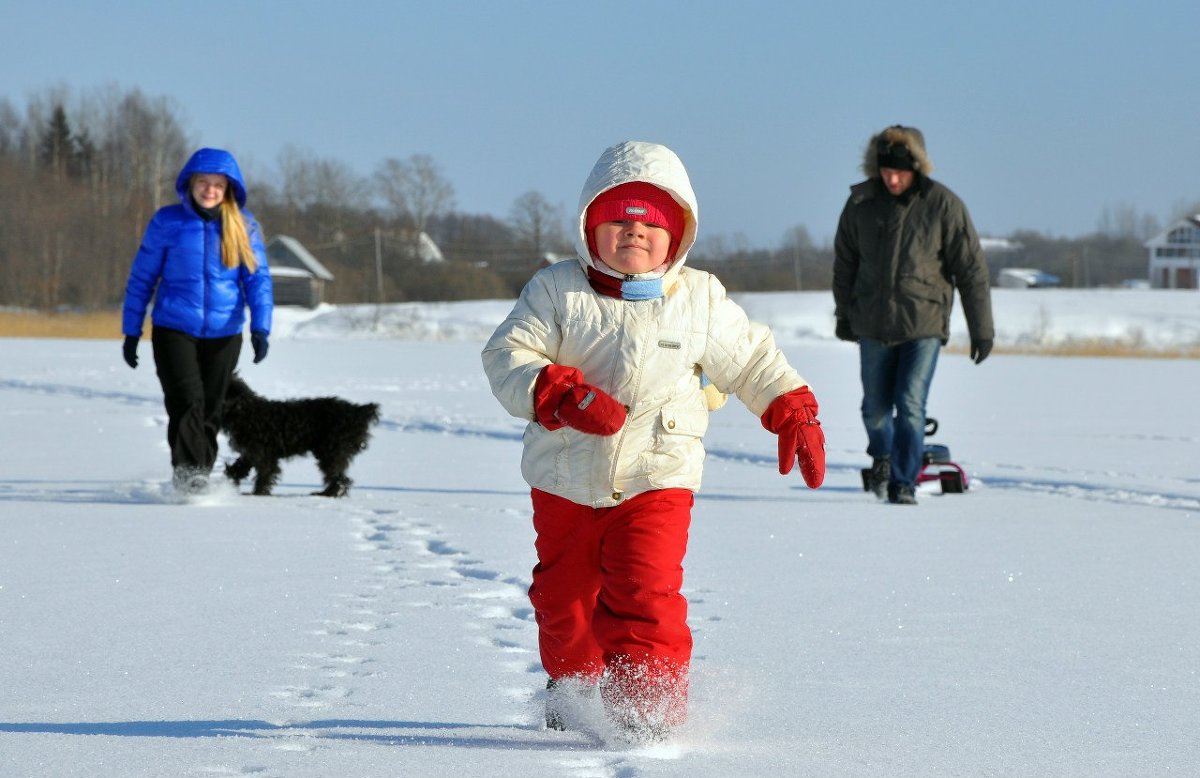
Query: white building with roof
[{"x": 1175, "y": 255}]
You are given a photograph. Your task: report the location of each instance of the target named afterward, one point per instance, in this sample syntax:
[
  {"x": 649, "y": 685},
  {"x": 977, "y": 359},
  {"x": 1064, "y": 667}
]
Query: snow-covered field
[{"x": 1043, "y": 624}]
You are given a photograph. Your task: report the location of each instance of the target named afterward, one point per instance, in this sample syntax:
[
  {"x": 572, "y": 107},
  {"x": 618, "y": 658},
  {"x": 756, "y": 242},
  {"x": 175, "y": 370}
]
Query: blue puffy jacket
[{"x": 180, "y": 256}]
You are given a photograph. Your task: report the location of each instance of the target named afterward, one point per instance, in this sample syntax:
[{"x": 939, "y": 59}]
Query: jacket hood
[
  {"x": 212, "y": 161},
  {"x": 911, "y": 137},
  {"x": 651, "y": 163}
]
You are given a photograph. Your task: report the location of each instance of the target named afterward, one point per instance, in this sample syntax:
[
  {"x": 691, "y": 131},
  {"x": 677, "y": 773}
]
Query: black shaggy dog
[{"x": 263, "y": 432}]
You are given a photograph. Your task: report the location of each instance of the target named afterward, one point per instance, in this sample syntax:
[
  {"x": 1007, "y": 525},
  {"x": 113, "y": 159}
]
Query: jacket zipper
[
  {"x": 639, "y": 371},
  {"x": 204, "y": 282}
]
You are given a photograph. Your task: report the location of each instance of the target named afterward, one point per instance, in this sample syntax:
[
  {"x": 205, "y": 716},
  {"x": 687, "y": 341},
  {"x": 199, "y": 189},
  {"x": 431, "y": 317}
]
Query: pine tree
[{"x": 57, "y": 147}]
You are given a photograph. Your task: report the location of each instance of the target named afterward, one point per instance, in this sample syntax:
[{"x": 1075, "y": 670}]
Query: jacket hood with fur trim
[
  {"x": 651, "y": 163},
  {"x": 911, "y": 137}
]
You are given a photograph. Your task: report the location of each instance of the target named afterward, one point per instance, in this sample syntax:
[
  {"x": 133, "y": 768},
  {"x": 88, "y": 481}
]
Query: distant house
[
  {"x": 1175, "y": 255},
  {"x": 1025, "y": 278},
  {"x": 427, "y": 251},
  {"x": 298, "y": 277},
  {"x": 550, "y": 258},
  {"x": 999, "y": 245}
]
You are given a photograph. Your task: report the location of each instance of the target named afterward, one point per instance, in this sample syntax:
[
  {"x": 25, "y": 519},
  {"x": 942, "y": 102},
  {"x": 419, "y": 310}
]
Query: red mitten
[
  {"x": 793, "y": 417},
  {"x": 560, "y": 397}
]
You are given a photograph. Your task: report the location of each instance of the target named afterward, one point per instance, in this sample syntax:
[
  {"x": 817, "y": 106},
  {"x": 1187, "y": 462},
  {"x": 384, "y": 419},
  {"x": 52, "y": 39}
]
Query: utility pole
[
  {"x": 796, "y": 266},
  {"x": 378, "y": 276}
]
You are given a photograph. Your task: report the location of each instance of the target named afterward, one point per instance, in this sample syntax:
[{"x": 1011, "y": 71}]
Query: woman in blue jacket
[{"x": 204, "y": 263}]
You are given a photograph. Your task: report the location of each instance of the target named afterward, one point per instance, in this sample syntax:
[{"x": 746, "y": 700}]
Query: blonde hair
[{"x": 235, "y": 239}]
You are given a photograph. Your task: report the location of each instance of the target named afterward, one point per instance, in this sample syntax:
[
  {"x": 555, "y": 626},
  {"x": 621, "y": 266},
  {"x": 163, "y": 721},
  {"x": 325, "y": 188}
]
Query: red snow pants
[{"x": 606, "y": 596}]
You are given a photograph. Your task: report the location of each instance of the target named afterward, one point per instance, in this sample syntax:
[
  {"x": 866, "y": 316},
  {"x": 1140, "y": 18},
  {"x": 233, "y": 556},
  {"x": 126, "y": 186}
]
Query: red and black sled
[{"x": 936, "y": 465}]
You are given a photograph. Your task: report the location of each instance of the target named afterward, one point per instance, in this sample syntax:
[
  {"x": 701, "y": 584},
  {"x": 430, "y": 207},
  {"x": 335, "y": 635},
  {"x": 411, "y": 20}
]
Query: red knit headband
[{"x": 636, "y": 201}]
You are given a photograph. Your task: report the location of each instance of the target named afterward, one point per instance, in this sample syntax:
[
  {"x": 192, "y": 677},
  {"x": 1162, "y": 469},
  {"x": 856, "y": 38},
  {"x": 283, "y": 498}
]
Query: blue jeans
[{"x": 896, "y": 381}]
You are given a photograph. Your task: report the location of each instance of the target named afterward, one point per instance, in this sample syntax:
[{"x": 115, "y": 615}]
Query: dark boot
[
  {"x": 565, "y": 699},
  {"x": 190, "y": 480},
  {"x": 554, "y": 706},
  {"x": 875, "y": 478},
  {"x": 901, "y": 494}
]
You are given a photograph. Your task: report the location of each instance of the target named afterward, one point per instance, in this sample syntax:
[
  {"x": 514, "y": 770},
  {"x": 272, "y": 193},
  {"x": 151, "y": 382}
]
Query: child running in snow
[{"x": 606, "y": 357}]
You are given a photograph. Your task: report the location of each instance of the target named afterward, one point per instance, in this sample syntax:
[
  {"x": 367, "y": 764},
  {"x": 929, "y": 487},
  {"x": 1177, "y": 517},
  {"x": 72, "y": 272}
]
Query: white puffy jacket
[{"x": 648, "y": 354}]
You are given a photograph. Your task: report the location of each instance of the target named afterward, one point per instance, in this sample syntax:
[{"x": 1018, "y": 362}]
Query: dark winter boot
[
  {"x": 901, "y": 494},
  {"x": 565, "y": 699},
  {"x": 554, "y": 706},
  {"x": 875, "y": 478}
]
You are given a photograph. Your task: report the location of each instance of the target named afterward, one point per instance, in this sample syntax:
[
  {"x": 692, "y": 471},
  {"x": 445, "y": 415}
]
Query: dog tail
[{"x": 237, "y": 389}]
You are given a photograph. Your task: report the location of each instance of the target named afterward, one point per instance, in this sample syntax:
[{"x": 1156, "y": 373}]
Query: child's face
[{"x": 632, "y": 247}]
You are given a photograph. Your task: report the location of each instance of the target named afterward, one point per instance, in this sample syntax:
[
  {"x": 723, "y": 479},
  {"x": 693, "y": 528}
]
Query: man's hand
[{"x": 980, "y": 349}]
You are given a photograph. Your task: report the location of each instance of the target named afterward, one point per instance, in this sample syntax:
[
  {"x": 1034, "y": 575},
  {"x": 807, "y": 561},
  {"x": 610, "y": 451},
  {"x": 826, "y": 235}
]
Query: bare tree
[
  {"x": 798, "y": 246},
  {"x": 1124, "y": 221},
  {"x": 1184, "y": 209},
  {"x": 537, "y": 223},
  {"x": 68, "y": 239},
  {"x": 321, "y": 191},
  {"x": 10, "y": 128},
  {"x": 414, "y": 189},
  {"x": 151, "y": 145}
]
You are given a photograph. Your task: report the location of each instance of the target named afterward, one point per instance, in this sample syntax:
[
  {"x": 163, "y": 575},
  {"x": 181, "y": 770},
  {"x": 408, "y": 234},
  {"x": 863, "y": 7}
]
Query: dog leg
[
  {"x": 333, "y": 465},
  {"x": 238, "y": 470},
  {"x": 338, "y": 486},
  {"x": 266, "y": 475}
]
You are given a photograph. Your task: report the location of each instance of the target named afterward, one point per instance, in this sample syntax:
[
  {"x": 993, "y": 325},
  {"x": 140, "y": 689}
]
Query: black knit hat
[{"x": 894, "y": 155}]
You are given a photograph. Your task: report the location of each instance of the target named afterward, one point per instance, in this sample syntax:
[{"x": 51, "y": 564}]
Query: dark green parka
[{"x": 898, "y": 259}]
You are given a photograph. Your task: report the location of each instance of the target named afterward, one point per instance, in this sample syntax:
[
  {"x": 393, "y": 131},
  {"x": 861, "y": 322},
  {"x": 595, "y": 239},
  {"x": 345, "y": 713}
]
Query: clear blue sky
[{"x": 1039, "y": 114}]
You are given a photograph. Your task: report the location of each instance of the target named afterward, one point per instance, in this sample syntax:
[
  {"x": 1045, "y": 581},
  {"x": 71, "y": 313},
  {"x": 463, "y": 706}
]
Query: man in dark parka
[{"x": 904, "y": 244}]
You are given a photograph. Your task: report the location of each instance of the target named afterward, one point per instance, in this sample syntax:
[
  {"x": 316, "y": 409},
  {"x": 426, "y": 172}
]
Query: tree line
[{"x": 85, "y": 173}]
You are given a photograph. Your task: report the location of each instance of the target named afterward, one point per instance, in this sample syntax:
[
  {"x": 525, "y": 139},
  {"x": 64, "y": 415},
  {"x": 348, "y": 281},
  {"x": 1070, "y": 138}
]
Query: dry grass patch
[
  {"x": 107, "y": 325},
  {"x": 34, "y": 324},
  {"x": 1094, "y": 348}
]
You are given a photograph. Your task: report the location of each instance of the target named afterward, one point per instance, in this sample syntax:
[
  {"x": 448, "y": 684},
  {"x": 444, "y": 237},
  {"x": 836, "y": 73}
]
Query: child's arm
[
  {"x": 742, "y": 358},
  {"x": 793, "y": 417},
  {"x": 520, "y": 362},
  {"x": 561, "y": 398}
]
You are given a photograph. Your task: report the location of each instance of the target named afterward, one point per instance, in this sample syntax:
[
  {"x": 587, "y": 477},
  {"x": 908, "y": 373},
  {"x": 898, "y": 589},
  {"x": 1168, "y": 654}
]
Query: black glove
[
  {"x": 130, "y": 350},
  {"x": 844, "y": 331},
  {"x": 980, "y": 349},
  {"x": 258, "y": 341}
]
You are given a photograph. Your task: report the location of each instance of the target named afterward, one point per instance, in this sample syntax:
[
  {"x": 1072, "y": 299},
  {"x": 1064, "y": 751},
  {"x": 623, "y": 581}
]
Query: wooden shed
[{"x": 298, "y": 277}]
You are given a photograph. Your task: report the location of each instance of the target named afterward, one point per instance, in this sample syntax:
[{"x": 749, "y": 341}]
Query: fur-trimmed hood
[{"x": 912, "y": 139}]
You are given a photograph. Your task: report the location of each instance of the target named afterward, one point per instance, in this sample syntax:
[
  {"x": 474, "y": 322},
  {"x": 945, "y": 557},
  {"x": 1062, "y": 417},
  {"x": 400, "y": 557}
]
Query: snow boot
[
  {"x": 564, "y": 698},
  {"x": 190, "y": 480},
  {"x": 875, "y": 478},
  {"x": 554, "y": 706},
  {"x": 901, "y": 494}
]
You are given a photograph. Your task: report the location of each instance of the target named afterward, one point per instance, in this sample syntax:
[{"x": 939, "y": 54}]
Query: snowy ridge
[{"x": 1028, "y": 319}]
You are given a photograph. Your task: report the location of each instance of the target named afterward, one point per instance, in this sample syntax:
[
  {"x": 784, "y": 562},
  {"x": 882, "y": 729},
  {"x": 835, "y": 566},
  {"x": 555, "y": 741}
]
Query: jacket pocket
[
  {"x": 676, "y": 455},
  {"x": 921, "y": 289},
  {"x": 922, "y": 309},
  {"x": 683, "y": 421},
  {"x": 545, "y": 459}
]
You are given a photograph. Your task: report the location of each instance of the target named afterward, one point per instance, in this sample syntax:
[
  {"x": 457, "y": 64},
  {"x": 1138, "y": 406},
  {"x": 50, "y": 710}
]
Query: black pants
[{"x": 194, "y": 373}]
